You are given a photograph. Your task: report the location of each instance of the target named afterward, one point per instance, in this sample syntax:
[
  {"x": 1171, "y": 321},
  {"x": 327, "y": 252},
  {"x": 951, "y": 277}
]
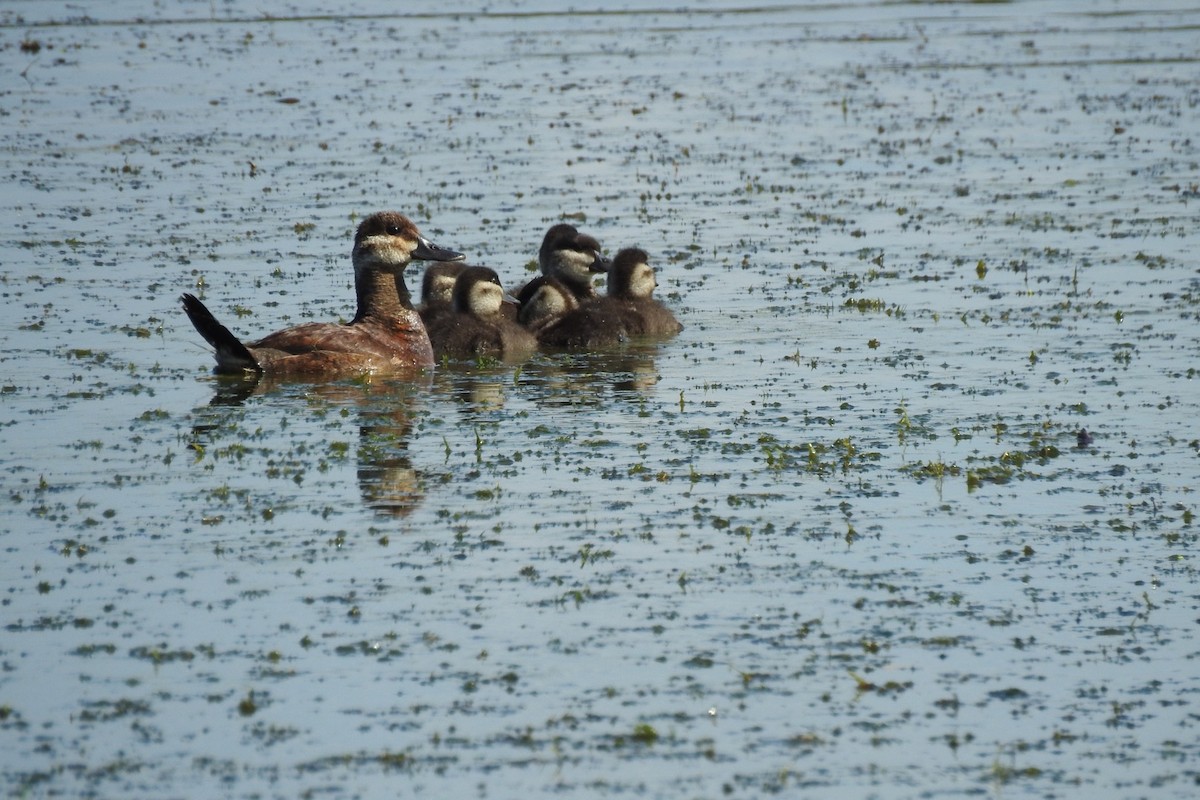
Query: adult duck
[{"x": 385, "y": 335}]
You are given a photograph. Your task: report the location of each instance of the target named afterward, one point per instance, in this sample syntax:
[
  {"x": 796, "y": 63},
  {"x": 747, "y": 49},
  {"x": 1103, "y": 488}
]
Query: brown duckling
[
  {"x": 543, "y": 302},
  {"x": 571, "y": 257},
  {"x": 631, "y": 280},
  {"x": 478, "y": 327},
  {"x": 437, "y": 289},
  {"x": 627, "y": 310}
]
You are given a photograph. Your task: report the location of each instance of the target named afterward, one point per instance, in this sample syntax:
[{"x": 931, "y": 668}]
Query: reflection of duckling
[
  {"x": 385, "y": 335},
  {"x": 477, "y": 326},
  {"x": 437, "y": 289},
  {"x": 594, "y": 380},
  {"x": 627, "y": 310}
]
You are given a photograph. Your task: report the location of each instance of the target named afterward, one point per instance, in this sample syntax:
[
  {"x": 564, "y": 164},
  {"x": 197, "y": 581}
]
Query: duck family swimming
[
  {"x": 463, "y": 313},
  {"x": 386, "y": 334},
  {"x": 570, "y": 260}
]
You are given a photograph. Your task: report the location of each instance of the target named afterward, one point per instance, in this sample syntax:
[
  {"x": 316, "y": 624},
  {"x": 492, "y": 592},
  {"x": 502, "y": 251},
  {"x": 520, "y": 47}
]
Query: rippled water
[{"x": 907, "y": 510}]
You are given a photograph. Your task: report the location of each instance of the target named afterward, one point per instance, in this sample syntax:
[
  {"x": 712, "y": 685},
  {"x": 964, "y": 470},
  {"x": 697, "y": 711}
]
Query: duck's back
[
  {"x": 600, "y": 322},
  {"x": 461, "y": 336},
  {"x": 649, "y": 317},
  {"x": 366, "y": 345}
]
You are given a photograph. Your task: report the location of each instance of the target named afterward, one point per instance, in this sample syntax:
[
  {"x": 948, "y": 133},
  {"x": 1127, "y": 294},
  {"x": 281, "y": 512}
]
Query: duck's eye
[{"x": 392, "y": 230}]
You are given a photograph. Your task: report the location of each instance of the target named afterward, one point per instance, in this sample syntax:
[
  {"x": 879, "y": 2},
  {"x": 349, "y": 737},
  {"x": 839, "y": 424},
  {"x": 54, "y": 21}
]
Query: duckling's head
[
  {"x": 630, "y": 275},
  {"x": 543, "y": 302},
  {"x": 571, "y": 256},
  {"x": 478, "y": 292},
  {"x": 388, "y": 241},
  {"x": 437, "y": 286}
]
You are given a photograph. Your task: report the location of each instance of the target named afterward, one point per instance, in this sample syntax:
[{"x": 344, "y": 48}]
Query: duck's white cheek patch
[
  {"x": 580, "y": 262},
  {"x": 390, "y": 249}
]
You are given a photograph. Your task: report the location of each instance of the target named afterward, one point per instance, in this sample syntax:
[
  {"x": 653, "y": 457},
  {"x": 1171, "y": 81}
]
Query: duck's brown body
[
  {"x": 320, "y": 348},
  {"x": 600, "y": 322},
  {"x": 386, "y": 334},
  {"x": 648, "y": 317}
]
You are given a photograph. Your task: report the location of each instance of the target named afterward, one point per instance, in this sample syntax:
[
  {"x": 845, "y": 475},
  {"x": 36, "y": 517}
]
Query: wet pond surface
[{"x": 907, "y": 510}]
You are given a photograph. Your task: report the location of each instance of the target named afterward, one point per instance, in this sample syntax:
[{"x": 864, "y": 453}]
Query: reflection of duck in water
[
  {"x": 477, "y": 328},
  {"x": 387, "y": 480},
  {"x": 386, "y": 334},
  {"x": 627, "y": 310},
  {"x": 595, "y": 379},
  {"x": 474, "y": 388}
]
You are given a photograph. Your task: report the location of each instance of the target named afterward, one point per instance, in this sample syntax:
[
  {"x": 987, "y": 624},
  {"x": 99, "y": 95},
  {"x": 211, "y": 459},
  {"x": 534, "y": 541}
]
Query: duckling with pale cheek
[
  {"x": 437, "y": 289},
  {"x": 570, "y": 257},
  {"x": 543, "y": 302},
  {"x": 627, "y": 310},
  {"x": 478, "y": 327},
  {"x": 386, "y": 334},
  {"x": 631, "y": 281}
]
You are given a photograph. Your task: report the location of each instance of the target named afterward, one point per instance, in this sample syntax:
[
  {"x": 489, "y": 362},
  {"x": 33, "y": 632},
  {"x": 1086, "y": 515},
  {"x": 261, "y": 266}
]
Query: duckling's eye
[{"x": 392, "y": 230}]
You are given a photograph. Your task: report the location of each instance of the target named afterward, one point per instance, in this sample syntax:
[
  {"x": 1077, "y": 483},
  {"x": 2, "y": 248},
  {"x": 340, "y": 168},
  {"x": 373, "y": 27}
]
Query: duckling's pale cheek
[
  {"x": 580, "y": 263},
  {"x": 491, "y": 301},
  {"x": 642, "y": 284}
]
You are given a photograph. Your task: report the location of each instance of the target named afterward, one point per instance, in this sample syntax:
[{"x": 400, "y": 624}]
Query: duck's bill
[
  {"x": 601, "y": 264},
  {"x": 428, "y": 251}
]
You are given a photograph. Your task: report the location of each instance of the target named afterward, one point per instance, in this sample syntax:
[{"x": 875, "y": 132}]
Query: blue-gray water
[{"x": 838, "y": 537}]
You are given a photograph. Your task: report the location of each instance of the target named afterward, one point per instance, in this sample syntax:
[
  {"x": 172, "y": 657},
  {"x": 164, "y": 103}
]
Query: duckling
[
  {"x": 386, "y": 334},
  {"x": 631, "y": 281},
  {"x": 437, "y": 289},
  {"x": 543, "y": 302},
  {"x": 627, "y": 310},
  {"x": 477, "y": 326},
  {"x": 571, "y": 257},
  {"x": 595, "y": 324}
]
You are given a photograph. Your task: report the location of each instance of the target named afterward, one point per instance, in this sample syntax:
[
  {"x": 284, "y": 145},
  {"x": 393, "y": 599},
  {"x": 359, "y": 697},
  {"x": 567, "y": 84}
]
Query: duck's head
[
  {"x": 388, "y": 241},
  {"x": 478, "y": 292},
  {"x": 631, "y": 276},
  {"x": 571, "y": 256},
  {"x": 543, "y": 302},
  {"x": 437, "y": 286}
]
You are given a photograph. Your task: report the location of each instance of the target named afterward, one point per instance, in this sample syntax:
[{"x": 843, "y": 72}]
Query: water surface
[{"x": 907, "y": 510}]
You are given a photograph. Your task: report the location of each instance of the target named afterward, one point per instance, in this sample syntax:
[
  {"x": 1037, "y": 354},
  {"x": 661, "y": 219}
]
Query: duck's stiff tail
[{"x": 231, "y": 354}]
